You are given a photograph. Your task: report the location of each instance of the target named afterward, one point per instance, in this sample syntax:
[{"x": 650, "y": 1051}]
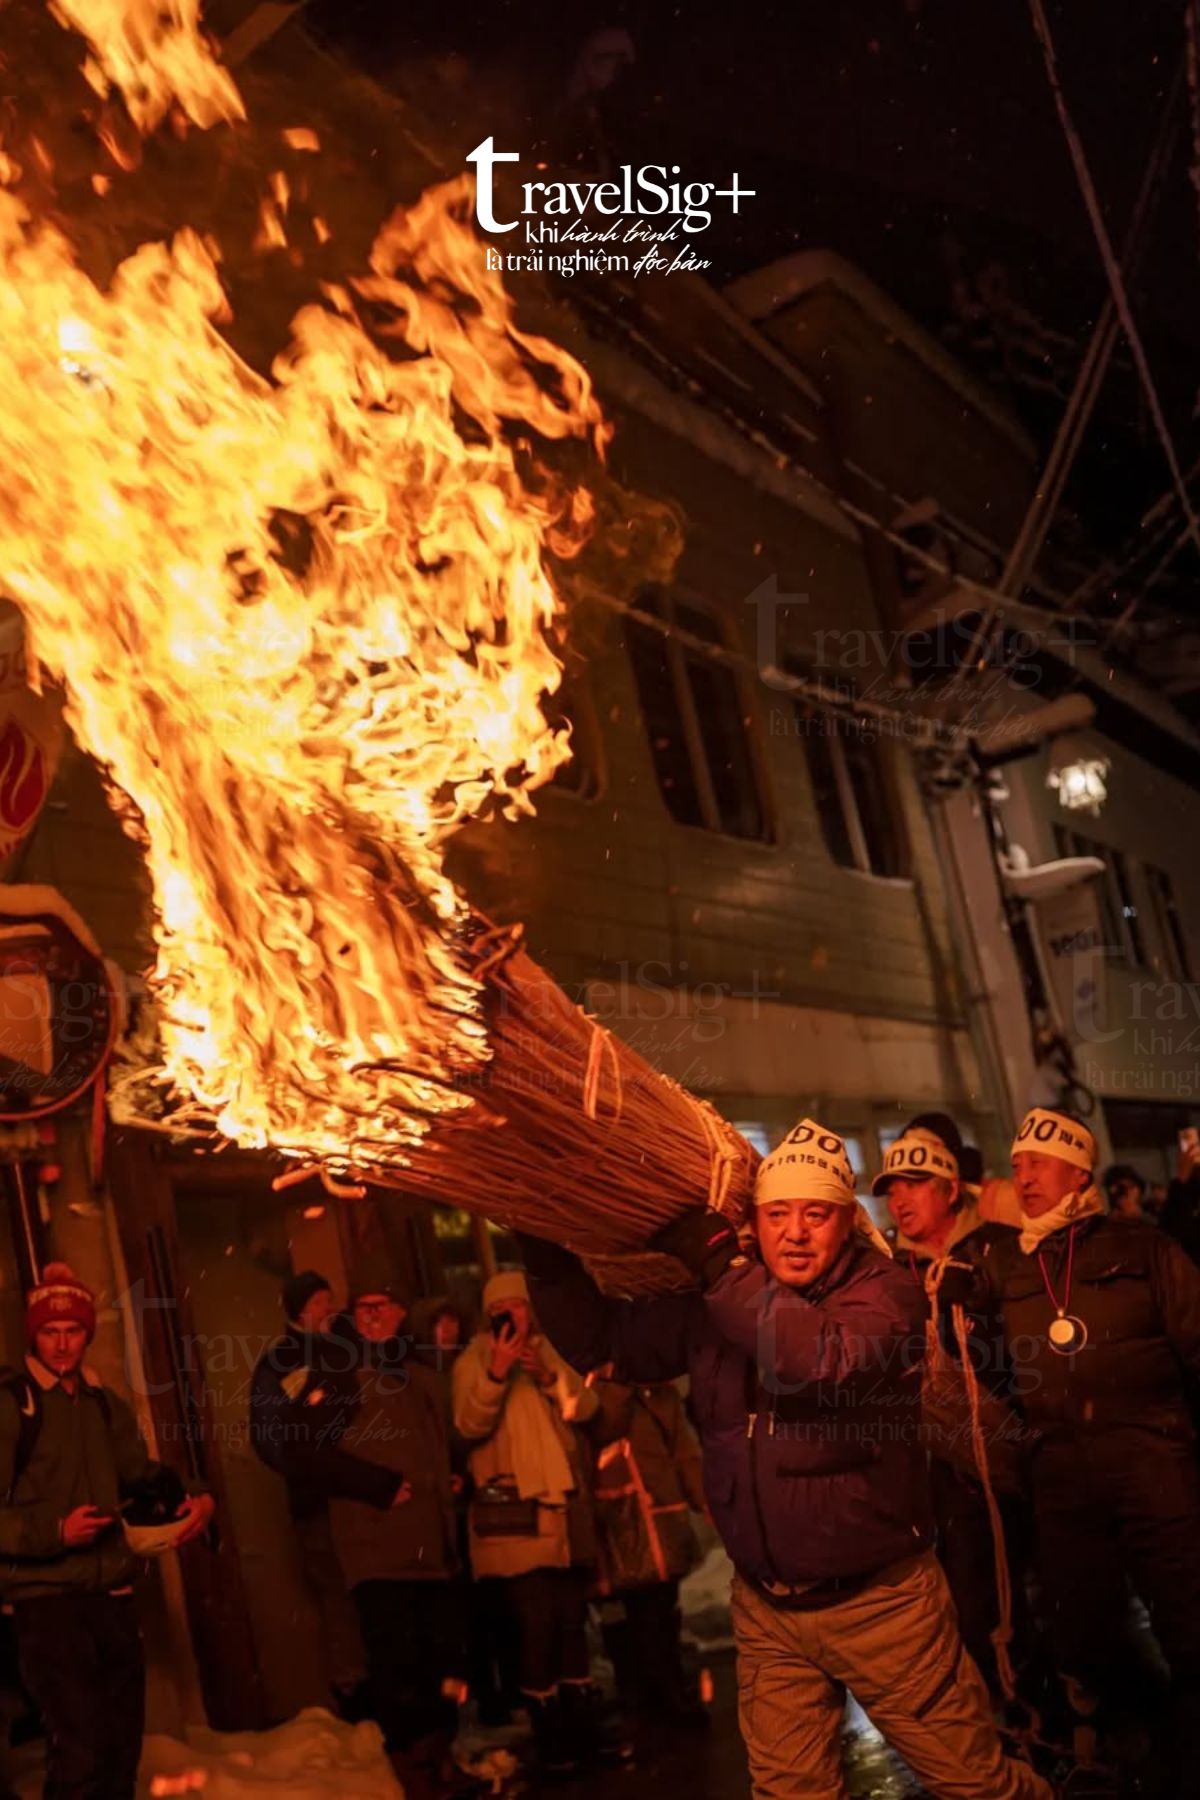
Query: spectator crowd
[{"x": 463, "y": 1499}]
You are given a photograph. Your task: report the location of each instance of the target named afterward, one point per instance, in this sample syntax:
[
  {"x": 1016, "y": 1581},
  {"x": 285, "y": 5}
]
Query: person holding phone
[
  {"x": 1181, "y": 1210},
  {"x": 517, "y": 1404}
]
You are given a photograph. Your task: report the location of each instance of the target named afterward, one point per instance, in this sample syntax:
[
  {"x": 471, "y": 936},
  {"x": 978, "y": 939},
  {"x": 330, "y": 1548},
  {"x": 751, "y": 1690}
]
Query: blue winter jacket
[{"x": 807, "y": 1405}]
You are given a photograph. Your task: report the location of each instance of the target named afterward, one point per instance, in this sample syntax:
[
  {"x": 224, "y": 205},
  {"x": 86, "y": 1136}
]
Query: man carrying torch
[{"x": 805, "y": 1352}]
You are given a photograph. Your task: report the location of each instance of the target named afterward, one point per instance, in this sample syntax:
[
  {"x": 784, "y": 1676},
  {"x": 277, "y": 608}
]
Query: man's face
[
  {"x": 1125, "y": 1199},
  {"x": 921, "y": 1206},
  {"x": 318, "y": 1313},
  {"x": 800, "y": 1239},
  {"x": 377, "y": 1317},
  {"x": 447, "y": 1331},
  {"x": 1042, "y": 1181},
  {"x": 60, "y": 1347}
]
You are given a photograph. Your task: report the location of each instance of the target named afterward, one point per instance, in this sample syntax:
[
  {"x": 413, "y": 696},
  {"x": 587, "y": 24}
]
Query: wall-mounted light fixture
[{"x": 1079, "y": 777}]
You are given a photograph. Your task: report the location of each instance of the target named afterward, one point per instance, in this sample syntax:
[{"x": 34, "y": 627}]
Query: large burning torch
[{"x": 303, "y": 621}]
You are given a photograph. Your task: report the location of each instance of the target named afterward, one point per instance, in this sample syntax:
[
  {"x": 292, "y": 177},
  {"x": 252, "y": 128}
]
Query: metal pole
[{"x": 21, "y": 1189}]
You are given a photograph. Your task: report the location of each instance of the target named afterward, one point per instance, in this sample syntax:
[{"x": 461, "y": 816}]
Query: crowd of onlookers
[{"x": 470, "y": 1513}]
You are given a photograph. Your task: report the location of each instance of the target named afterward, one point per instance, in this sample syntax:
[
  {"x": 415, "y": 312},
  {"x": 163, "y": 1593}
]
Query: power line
[
  {"x": 924, "y": 729},
  {"x": 988, "y": 594},
  {"x": 1112, "y": 268}
]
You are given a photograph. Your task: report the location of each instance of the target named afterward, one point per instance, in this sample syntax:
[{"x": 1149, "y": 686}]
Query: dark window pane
[
  {"x": 877, "y": 811},
  {"x": 1134, "y": 939},
  {"x": 1072, "y": 844},
  {"x": 664, "y": 722},
  {"x": 726, "y": 747},
  {"x": 693, "y": 709},
  {"x": 816, "y": 730},
  {"x": 1170, "y": 925}
]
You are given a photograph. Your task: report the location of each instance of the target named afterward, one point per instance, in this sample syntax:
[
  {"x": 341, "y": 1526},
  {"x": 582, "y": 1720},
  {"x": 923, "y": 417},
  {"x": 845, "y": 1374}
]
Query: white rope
[{"x": 1003, "y": 1633}]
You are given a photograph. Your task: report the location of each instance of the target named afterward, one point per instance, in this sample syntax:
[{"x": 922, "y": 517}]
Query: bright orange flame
[
  {"x": 156, "y": 54},
  {"x": 301, "y": 621}
]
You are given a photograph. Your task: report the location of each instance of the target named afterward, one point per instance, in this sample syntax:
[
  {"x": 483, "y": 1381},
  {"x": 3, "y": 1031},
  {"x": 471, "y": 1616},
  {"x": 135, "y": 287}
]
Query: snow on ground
[{"x": 312, "y": 1757}]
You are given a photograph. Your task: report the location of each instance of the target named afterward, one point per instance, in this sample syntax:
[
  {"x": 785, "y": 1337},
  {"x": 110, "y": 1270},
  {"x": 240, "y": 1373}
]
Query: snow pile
[
  {"x": 704, "y": 1599},
  {"x": 312, "y": 1757}
]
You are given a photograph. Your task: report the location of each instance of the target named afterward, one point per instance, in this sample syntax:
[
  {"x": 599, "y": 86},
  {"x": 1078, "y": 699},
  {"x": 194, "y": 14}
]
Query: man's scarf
[{"x": 1067, "y": 1212}]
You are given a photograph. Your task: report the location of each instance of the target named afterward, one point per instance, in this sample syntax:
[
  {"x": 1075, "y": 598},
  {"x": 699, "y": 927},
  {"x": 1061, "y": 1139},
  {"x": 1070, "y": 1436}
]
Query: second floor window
[
  {"x": 696, "y": 719},
  {"x": 1176, "y": 961},
  {"x": 857, "y": 805},
  {"x": 1119, "y": 915}
]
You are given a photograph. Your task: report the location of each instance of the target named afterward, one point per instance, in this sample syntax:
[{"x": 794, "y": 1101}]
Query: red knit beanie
[{"x": 60, "y": 1298}]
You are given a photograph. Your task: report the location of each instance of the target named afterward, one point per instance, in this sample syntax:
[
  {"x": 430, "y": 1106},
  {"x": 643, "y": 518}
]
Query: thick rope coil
[{"x": 721, "y": 1155}]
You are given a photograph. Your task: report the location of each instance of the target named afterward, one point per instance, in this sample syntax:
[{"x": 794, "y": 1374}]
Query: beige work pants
[{"x": 896, "y": 1646}]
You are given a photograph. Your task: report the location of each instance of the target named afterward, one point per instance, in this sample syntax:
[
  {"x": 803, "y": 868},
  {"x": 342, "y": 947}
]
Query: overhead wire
[
  {"x": 1112, "y": 268},
  {"x": 861, "y": 516},
  {"x": 1089, "y": 378}
]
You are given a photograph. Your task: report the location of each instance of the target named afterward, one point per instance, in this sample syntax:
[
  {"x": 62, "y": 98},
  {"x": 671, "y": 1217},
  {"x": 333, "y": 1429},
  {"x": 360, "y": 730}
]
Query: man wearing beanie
[
  {"x": 301, "y": 1402},
  {"x": 70, "y": 1456},
  {"x": 1100, "y": 1319},
  {"x": 805, "y": 1354}
]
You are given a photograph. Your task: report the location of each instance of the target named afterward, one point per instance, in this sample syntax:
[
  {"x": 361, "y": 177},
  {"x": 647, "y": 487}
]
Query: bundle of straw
[{"x": 572, "y": 1135}]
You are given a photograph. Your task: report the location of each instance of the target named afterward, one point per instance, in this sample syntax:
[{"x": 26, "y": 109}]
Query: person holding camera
[
  {"x": 74, "y": 1471},
  {"x": 517, "y": 1404}
]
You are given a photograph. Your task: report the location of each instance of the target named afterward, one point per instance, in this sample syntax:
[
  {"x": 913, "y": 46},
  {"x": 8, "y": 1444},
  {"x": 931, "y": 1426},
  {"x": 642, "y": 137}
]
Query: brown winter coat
[
  {"x": 1138, "y": 1296},
  {"x": 647, "y": 1480},
  {"x": 401, "y": 1422},
  {"x": 566, "y": 1533}
]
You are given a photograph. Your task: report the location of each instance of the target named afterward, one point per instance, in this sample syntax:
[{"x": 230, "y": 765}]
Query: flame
[
  {"x": 156, "y": 54},
  {"x": 300, "y": 620}
]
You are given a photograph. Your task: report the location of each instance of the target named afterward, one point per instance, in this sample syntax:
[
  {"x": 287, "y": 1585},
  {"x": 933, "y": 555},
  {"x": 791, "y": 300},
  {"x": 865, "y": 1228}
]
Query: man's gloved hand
[
  {"x": 704, "y": 1241},
  {"x": 959, "y": 1285},
  {"x": 545, "y": 1261}
]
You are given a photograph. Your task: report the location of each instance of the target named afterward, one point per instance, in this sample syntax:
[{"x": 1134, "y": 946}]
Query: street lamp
[{"x": 1081, "y": 783}]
